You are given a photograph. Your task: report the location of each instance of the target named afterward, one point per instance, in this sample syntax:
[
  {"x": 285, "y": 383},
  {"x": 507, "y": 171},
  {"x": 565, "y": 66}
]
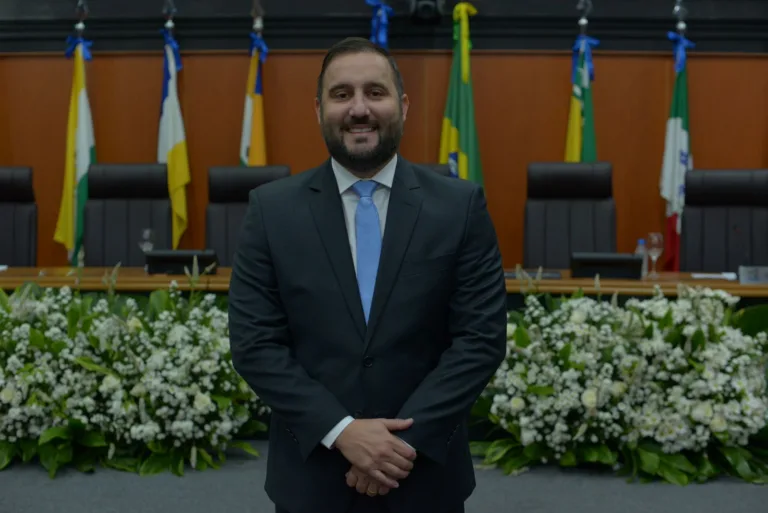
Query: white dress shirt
[{"x": 349, "y": 200}]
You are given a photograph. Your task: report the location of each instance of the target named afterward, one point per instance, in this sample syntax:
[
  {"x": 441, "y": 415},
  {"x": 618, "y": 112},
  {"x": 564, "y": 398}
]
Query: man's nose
[{"x": 358, "y": 107}]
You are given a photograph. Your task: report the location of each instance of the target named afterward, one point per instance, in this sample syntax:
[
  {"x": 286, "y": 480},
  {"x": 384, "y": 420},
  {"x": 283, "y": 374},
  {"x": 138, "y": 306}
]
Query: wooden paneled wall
[{"x": 521, "y": 103}]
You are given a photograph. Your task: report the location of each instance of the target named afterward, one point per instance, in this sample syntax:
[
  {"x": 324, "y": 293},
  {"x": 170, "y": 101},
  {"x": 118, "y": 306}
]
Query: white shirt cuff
[{"x": 329, "y": 439}]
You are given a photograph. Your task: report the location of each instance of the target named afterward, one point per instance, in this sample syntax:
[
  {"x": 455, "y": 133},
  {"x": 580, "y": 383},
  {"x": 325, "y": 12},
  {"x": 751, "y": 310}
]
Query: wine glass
[
  {"x": 147, "y": 240},
  {"x": 655, "y": 248}
]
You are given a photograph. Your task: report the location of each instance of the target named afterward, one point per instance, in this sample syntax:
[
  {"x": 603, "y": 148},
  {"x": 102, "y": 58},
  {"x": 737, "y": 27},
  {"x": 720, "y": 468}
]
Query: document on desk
[{"x": 714, "y": 276}]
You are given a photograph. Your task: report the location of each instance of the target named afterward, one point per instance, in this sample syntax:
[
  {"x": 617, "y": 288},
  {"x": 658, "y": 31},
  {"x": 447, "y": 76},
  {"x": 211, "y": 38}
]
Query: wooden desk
[
  {"x": 131, "y": 279},
  {"x": 668, "y": 282}
]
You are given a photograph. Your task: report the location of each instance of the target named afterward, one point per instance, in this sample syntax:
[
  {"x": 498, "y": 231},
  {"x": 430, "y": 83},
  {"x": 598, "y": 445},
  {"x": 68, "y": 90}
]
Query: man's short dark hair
[{"x": 358, "y": 45}]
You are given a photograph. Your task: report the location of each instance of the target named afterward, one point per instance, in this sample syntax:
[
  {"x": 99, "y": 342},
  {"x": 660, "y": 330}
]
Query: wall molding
[{"x": 621, "y": 25}]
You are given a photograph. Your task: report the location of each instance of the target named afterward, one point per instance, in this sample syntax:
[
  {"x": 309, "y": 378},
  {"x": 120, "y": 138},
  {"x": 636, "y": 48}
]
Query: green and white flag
[{"x": 678, "y": 159}]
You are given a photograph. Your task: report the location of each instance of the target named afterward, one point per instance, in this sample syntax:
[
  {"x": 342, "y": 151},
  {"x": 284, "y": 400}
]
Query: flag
[
  {"x": 678, "y": 159},
  {"x": 172, "y": 145},
  {"x": 580, "y": 142},
  {"x": 380, "y": 22},
  {"x": 458, "y": 141},
  {"x": 253, "y": 142},
  {"x": 80, "y": 154}
]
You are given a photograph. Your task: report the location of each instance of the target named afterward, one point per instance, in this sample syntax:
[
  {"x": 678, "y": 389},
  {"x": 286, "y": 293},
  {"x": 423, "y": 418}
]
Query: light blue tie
[{"x": 368, "y": 235}]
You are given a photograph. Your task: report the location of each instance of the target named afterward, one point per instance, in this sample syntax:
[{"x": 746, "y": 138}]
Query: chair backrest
[
  {"x": 123, "y": 200},
  {"x": 18, "y": 216},
  {"x": 570, "y": 207},
  {"x": 442, "y": 169},
  {"x": 725, "y": 220},
  {"x": 228, "y": 189}
]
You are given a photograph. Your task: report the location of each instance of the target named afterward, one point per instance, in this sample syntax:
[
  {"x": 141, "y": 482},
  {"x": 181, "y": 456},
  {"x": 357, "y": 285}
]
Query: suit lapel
[
  {"x": 404, "y": 206},
  {"x": 328, "y": 213}
]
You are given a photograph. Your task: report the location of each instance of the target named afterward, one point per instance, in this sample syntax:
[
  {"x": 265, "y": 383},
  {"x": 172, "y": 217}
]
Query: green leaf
[
  {"x": 534, "y": 452},
  {"x": 649, "y": 461},
  {"x": 738, "y": 462},
  {"x": 606, "y": 455},
  {"x": 64, "y": 453},
  {"x": 123, "y": 463},
  {"x": 590, "y": 454},
  {"x": 679, "y": 462},
  {"x": 177, "y": 463},
  {"x": 92, "y": 439},
  {"x": 482, "y": 407},
  {"x": 706, "y": 470},
  {"x": 521, "y": 337},
  {"x": 479, "y": 449},
  {"x": 514, "y": 463},
  {"x": 159, "y": 302},
  {"x": 516, "y": 318},
  {"x": 54, "y": 433},
  {"x": 28, "y": 449},
  {"x": 4, "y": 303},
  {"x": 673, "y": 475},
  {"x": 222, "y": 402},
  {"x": 73, "y": 320},
  {"x": 569, "y": 459},
  {"x": 7, "y": 453},
  {"x": 498, "y": 449},
  {"x": 49, "y": 458},
  {"x": 667, "y": 321},
  {"x": 245, "y": 446},
  {"x": 207, "y": 458},
  {"x": 540, "y": 391},
  {"x": 565, "y": 354},
  {"x": 157, "y": 447},
  {"x": 753, "y": 319},
  {"x": 252, "y": 427},
  {"x": 92, "y": 366},
  {"x": 156, "y": 464},
  {"x": 698, "y": 340},
  {"x": 37, "y": 339}
]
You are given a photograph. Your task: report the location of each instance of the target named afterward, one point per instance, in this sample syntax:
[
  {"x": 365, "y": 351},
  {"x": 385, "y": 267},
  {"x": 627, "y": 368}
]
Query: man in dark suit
[{"x": 370, "y": 344}]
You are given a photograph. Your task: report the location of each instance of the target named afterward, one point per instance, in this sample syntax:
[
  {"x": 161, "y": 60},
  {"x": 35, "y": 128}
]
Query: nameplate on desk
[
  {"x": 753, "y": 275},
  {"x": 178, "y": 260}
]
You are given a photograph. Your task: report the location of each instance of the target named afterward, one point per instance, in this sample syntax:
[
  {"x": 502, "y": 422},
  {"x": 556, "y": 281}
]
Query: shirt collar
[{"x": 345, "y": 179}]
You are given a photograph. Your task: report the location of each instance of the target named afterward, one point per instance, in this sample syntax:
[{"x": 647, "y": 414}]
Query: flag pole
[
  {"x": 585, "y": 6},
  {"x": 680, "y": 12},
  {"x": 258, "y": 17}
]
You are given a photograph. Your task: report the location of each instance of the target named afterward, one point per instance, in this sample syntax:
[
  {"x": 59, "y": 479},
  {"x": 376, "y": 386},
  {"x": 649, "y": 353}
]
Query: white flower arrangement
[
  {"x": 661, "y": 388},
  {"x": 96, "y": 379}
]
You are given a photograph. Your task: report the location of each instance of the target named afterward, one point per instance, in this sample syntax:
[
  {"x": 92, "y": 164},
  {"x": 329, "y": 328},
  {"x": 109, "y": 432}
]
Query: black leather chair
[
  {"x": 725, "y": 220},
  {"x": 570, "y": 207},
  {"x": 443, "y": 169},
  {"x": 123, "y": 200},
  {"x": 228, "y": 188},
  {"x": 18, "y": 216}
]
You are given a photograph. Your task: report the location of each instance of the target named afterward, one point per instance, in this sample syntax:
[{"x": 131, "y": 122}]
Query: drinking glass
[
  {"x": 147, "y": 240},
  {"x": 655, "y": 248}
]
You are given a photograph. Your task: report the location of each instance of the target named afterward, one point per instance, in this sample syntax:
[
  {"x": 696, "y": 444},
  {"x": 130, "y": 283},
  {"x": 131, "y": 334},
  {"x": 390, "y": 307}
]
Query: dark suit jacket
[{"x": 437, "y": 331}]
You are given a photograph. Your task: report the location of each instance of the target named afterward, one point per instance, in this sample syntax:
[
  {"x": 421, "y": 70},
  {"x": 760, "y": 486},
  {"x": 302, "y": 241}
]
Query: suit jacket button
[{"x": 368, "y": 361}]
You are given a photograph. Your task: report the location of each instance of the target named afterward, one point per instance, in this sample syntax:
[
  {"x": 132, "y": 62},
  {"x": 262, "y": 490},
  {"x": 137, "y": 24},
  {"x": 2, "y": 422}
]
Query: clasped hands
[{"x": 379, "y": 459}]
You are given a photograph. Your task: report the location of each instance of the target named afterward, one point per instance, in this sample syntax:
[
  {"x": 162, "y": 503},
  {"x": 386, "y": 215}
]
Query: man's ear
[
  {"x": 317, "y": 111},
  {"x": 405, "y": 102}
]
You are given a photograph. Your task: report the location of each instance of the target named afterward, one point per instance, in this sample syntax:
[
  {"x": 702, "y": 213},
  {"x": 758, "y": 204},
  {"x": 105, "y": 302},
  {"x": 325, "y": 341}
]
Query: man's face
[{"x": 360, "y": 113}]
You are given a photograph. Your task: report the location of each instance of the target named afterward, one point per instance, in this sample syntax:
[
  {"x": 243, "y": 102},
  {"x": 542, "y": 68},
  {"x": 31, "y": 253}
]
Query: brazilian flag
[{"x": 458, "y": 140}]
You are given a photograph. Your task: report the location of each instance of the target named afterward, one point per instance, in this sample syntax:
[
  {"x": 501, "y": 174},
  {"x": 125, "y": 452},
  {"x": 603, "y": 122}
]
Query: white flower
[
  {"x": 589, "y": 398},
  {"x": 718, "y": 424},
  {"x": 516, "y": 405}
]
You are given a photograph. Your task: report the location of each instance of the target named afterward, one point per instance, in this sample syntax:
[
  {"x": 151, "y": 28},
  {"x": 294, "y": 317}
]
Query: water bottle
[{"x": 643, "y": 252}]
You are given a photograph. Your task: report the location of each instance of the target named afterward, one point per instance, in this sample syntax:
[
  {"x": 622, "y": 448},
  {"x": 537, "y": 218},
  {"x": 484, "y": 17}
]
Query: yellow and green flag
[
  {"x": 458, "y": 141},
  {"x": 581, "y": 143},
  {"x": 80, "y": 154}
]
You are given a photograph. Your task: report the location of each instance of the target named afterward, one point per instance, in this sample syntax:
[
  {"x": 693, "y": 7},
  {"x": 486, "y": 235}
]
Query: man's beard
[{"x": 369, "y": 160}]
